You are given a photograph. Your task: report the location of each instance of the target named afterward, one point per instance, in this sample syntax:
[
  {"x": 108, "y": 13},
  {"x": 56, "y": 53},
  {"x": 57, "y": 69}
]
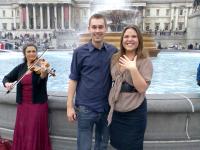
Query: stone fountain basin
[
  {"x": 114, "y": 39},
  {"x": 173, "y": 121}
]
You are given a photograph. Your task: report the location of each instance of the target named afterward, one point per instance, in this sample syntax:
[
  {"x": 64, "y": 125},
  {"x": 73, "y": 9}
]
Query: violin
[
  {"x": 36, "y": 66},
  {"x": 40, "y": 64}
]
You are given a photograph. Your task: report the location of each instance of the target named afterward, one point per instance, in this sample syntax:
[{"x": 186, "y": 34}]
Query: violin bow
[{"x": 31, "y": 66}]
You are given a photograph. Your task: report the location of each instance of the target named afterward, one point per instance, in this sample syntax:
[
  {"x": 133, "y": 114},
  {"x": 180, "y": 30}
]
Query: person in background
[
  {"x": 131, "y": 72},
  {"x": 90, "y": 79},
  {"x": 31, "y": 126},
  {"x": 198, "y": 75}
]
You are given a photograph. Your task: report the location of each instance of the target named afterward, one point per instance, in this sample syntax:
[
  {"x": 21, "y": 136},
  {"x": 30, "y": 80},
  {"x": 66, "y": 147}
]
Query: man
[{"x": 91, "y": 81}]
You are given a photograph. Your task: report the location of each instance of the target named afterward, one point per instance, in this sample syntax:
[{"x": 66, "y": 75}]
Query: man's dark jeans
[{"x": 86, "y": 121}]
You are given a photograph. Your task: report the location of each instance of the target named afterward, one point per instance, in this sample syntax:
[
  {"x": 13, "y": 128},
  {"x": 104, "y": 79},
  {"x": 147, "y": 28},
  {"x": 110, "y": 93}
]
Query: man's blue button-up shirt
[{"x": 90, "y": 67}]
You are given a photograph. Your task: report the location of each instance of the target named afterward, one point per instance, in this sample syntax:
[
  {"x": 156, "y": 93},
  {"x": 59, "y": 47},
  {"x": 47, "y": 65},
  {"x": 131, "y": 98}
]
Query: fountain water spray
[{"x": 119, "y": 13}]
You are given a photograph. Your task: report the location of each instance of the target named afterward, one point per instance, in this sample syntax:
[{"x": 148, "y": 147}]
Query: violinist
[{"x": 31, "y": 126}]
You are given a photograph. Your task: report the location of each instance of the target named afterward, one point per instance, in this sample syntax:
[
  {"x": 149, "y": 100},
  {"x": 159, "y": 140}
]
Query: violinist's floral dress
[{"x": 31, "y": 127}]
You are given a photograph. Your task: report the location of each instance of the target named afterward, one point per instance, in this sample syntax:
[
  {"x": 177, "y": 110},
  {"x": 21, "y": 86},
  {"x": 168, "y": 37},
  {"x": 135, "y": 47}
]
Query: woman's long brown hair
[{"x": 139, "y": 51}]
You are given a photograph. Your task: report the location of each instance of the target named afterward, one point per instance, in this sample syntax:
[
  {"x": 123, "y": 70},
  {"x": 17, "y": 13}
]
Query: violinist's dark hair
[{"x": 25, "y": 47}]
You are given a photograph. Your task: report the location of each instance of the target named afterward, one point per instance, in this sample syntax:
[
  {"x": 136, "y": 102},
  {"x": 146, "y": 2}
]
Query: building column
[
  {"x": 27, "y": 17},
  {"x": 21, "y": 16},
  {"x": 14, "y": 18},
  {"x": 186, "y": 17},
  {"x": 70, "y": 9},
  {"x": 48, "y": 17},
  {"x": 172, "y": 19},
  {"x": 62, "y": 17},
  {"x": 190, "y": 10},
  {"x": 176, "y": 19},
  {"x": 34, "y": 17},
  {"x": 143, "y": 21},
  {"x": 41, "y": 17},
  {"x": 55, "y": 16}
]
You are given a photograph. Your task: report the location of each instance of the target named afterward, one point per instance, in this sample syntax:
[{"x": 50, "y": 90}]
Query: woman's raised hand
[{"x": 126, "y": 63}]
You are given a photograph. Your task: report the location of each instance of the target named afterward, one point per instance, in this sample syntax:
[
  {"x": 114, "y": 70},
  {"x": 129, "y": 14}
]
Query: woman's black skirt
[{"x": 127, "y": 128}]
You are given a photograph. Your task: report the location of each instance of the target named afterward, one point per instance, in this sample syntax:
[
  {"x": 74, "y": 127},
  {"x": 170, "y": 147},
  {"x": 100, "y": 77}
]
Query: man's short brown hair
[{"x": 98, "y": 16}]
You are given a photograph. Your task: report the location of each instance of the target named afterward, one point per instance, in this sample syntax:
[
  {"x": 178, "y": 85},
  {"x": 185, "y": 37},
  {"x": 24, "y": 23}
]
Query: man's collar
[{"x": 91, "y": 46}]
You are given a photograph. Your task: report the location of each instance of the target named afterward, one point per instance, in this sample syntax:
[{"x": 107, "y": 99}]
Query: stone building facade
[{"x": 49, "y": 15}]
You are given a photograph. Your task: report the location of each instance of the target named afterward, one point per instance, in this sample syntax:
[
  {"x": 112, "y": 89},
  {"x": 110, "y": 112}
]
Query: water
[
  {"x": 174, "y": 72},
  {"x": 103, "y": 5},
  {"x": 118, "y": 13}
]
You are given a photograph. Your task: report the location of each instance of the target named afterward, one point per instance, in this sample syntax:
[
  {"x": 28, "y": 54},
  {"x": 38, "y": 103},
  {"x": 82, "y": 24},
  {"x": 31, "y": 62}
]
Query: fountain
[
  {"x": 167, "y": 102},
  {"x": 66, "y": 39},
  {"x": 119, "y": 17}
]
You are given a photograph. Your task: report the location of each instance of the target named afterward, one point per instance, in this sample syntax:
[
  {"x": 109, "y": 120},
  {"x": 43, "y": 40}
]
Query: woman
[
  {"x": 131, "y": 72},
  {"x": 31, "y": 127}
]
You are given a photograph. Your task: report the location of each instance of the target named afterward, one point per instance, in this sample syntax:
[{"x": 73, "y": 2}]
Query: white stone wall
[
  {"x": 193, "y": 35},
  {"x": 84, "y": 11},
  {"x": 173, "y": 16},
  {"x": 8, "y": 19}
]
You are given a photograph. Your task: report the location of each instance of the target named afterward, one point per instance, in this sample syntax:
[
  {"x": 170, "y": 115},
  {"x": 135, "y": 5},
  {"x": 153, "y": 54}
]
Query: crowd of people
[
  {"x": 166, "y": 32},
  {"x": 179, "y": 46},
  {"x": 19, "y": 41}
]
